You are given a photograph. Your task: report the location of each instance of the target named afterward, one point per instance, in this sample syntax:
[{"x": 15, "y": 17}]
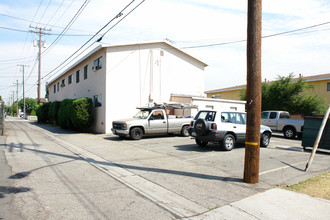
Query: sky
[{"x": 295, "y": 36}]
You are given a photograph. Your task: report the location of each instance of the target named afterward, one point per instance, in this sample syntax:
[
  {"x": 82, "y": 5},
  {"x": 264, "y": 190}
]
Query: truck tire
[
  {"x": 228, "y": 142},
  {"x": 201, "y": 126},
  {"x": 185, "y": 131},
  {"x": 265, "y": 139},
  {"x": 136, "y": 133},
  {"x": 200, "y": 143},
  {"x": 289, "y": 132}
]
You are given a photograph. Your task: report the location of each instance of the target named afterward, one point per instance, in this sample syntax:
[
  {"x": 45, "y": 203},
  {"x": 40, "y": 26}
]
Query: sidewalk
[
  {"x": 273, "y": 204},
  {"x": 7, "y": 189}
]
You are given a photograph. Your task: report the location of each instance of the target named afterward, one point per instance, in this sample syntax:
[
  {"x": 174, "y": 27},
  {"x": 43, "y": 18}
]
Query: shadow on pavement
[
  {"x": 9, "y": 190},
  {"x": 130, "y": 167}
]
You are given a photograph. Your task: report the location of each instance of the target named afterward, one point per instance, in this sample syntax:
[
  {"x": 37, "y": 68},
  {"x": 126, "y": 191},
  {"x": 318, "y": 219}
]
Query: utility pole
[
  {"x": 17, "y": 99},
  {"x": 12, "y": 106},
  {"x": 40, "y": 31},
  {"x": 253, "y": 92},
  {"x": 23, "y": 91}
]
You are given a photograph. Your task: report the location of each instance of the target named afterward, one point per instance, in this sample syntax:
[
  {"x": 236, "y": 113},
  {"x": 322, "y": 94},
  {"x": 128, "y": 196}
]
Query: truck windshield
[{"x": 143, "y": 114}]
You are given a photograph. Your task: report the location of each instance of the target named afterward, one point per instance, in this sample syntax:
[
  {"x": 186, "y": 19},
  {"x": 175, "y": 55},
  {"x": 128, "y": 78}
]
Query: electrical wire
[
  {"x": 67, "y": 35},
  {"x": 32, "y": 22},
  {"x": 117, "y": 16},
  {"x": 42, "y": 16},
  {"x": 68, "y": 26},
  {"x": 267, "y": 36}
]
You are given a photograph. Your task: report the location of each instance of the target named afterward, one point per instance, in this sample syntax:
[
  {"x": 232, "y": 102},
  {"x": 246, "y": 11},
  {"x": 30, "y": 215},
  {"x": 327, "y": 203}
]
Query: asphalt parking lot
[{"x": 170, "y": 175}]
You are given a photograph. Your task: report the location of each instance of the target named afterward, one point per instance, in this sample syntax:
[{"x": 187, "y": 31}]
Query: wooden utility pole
[
  {"x": 17, "y": 98},
  {"x": 24, "y": 110},
  {"x": 253, "y": 93},
  {"x": 40, "y": 32}
]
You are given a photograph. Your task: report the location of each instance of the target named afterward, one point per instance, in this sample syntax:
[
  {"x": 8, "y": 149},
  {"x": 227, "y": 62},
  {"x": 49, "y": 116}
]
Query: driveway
[{"x": 167, "y": 177}]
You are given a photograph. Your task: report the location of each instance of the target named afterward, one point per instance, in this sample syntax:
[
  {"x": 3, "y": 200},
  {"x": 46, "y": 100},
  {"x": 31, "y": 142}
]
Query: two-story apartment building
[{"x": 120, "y": 78}]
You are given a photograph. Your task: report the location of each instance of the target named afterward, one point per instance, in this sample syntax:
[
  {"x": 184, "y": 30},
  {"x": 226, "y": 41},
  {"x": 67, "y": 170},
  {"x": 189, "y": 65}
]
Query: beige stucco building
[
  {"x": 122, "y": 77},
  {"x": 320, "y": 83}
]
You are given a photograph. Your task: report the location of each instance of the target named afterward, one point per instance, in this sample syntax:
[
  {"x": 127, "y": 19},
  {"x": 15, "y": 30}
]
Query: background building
[
  {"x": 321, "y": 85},
  {"x": 122, "y": 77}
]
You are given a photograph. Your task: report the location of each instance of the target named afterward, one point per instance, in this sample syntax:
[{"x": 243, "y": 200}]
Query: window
[
  {"x": 98, "y": 100},
  {"x": 285, "y": 115},
  {"x": 58, "y": 86},
  {"x": 207, "y": 115},
  {"x": 225, "y": 117},
  {"x": 77, "y": 76},
  {"x": 85, "y": 71},
  {"x": 97, "y": 64},
  {"x": 272, "y": 115},
  {"x": 55, "y": 88},
  {"x": 157, "y": 115},
  {"x": 216, "y": 96},
  {"x": 63, "y": 83},
  {"x": 328, "y": 86},
  {"x": 70, "y": 79},
  {"x": 264, "y": 115}
]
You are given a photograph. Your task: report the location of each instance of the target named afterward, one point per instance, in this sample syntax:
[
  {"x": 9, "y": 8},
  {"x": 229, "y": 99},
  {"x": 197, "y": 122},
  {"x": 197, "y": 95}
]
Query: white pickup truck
[
  {"x": 151, "y": 121},
  {"x": 280, "y": 121}
]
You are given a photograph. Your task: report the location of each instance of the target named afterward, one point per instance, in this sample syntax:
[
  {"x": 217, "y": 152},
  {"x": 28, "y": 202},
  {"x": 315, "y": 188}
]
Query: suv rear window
[{"x": 206, "y": 115}]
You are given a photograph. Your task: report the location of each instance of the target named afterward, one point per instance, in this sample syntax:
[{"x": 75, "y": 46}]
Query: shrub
[
  {"x": 82, "y": 117},
  {"x": 53, "y": 111},
  {"x": 64, "y": 114},
  {"x": 33, "y": 113},
  {"x": 42, "y": 112}
]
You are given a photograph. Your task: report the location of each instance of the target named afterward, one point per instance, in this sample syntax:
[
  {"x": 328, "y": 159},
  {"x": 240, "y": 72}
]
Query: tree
[
  {"x": 30, "y": 104},
  {"x": 290, "y": 95}
]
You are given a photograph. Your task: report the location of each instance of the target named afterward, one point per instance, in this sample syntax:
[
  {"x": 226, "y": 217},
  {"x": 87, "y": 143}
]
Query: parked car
[
  {"x": 280, "y": 121},
  {"x": 151, "y": 121},
  {"x": 225, "y": 128}
]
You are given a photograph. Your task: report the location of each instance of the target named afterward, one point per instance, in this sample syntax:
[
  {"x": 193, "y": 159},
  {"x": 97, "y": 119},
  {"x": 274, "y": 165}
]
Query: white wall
[
  {"x": 124, "y": 80},
  {"x": 217, "y": 104},
  {"x": 93, "y": 85},
  {"x": 130, "y": 69}
]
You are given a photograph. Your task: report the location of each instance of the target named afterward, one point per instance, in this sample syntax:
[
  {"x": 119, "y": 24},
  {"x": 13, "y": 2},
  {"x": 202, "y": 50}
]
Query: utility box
[{"x": 311, "y": 129}]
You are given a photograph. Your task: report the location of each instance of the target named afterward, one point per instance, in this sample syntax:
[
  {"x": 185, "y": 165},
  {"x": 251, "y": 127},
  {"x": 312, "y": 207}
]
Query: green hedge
[
  {"x": 64, "y": 114},
  {"x": 75, "y": 114},
  {"x": 53, "y": 112},
  {"x": 42, "y": 112},
  {"x": 81, "y": 116}
]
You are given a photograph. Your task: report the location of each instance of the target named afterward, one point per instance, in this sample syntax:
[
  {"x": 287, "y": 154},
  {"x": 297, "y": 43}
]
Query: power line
[
  {"x": 266, "y": 36},
  {"x": 117, "y": 16},
  {"x": 69, "y": 35},
  {"x": 32, "y": 22},
  {"x": 68, "y": 25}
]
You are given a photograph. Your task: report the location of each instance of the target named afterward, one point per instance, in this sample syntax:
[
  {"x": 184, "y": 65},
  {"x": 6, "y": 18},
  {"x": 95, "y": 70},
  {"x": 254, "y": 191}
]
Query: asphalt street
[{"x": 52, "y": 173}]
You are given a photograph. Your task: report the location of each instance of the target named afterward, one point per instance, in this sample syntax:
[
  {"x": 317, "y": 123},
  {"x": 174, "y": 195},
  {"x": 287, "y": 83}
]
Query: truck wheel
[
  {"x": 200, "y": 143},
  {"x": 185, "y": 131},
  {"x": 289, "y": 132},
  {"x": 136, "y": 133},
  {"x": 265, "y": 139},
  {"x": 201, "y": 127},
  {"x": 228, "y": 143}
]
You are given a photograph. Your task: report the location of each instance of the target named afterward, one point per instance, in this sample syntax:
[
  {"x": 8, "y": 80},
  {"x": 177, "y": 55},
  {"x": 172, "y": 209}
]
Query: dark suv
[{"x": 226, "y": 128}]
